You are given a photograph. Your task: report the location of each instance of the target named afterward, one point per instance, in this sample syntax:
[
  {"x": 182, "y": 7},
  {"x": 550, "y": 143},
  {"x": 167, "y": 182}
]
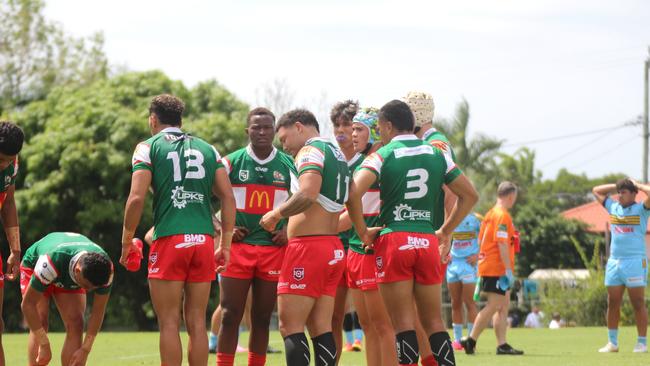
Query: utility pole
[{"x": 645, "y": 119}]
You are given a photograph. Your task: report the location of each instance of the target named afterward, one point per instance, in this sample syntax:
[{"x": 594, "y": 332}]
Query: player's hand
[
  {"x": 13, "y": 266},
  {"x": 270, "y": 220},
  {"x": 239, "y": 233},
  {"x": 79, "y": 357},
  {"x": 369, "y": 236},
  {"x": 221, "y": 258},
  {"x": 506, "y": 281},
  {"x": 44, "y": 354},
  {"x": 126, "y": 249},
  {"x": 472, "y": 259},
  {"x": 280, "y": 237},
  {"x": 444, "y": 245}
]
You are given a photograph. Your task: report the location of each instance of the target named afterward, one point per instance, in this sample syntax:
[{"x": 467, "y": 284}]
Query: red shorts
[
  {"x": 361, "y": 271},
  {"x": 182, "y": 257},
  {"x": 401, "y": 256},
  {"x": 312, "y": 266},
  {"x": 26, "y": 274},
  {"x": 259, "y": 261}
]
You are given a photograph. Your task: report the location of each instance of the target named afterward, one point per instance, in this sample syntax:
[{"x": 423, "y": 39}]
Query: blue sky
[{"x": 529, "y": 69}]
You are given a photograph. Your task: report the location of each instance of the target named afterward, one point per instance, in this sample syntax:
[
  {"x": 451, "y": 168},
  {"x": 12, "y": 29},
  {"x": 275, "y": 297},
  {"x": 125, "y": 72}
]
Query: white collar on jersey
[
  {"x": 171, "y": 129},
  {"x": 317, "y": 138},
  {"x": 251, "y": 153},
  {"x": 73, "y": 263},
  {"x": 406, "y": 137},
  {"x": 429, "y": 132},
  {"x": 354, "y": 159}
]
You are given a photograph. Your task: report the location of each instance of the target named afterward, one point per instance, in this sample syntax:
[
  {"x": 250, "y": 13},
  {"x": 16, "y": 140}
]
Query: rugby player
[
  {"x": 314, "y": 258},
  {"x": 64, "y": 266},
  {"x": 341, "y": 117},
  {"x": 11, "y": 142},
  {"x": 183, "y": 172},
  {"x": 408, "y": 251},
  {"x": 462, "y": 275},
  {"x": 372, "y": 314},
  {"x": 627, "y": 265},
  {"x": 261, "y": 179},
  {"x": 495, "y": 267}
]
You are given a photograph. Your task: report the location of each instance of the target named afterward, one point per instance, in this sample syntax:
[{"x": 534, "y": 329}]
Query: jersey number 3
[
  {"x": 193, "y": 163},
  {"x": 420, "y": 183}
]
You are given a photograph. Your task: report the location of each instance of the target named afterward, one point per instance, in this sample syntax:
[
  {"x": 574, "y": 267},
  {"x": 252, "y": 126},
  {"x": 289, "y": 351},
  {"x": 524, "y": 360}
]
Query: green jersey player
[
  {"x": 260, "y": 176},
  {"x": 313, "y": 261},
  {"x": 64, "y": 266},
  {"x": 410, "y": 175},
  {"x": 11, "y": 142},
  {"x": 183, "y": 171}
]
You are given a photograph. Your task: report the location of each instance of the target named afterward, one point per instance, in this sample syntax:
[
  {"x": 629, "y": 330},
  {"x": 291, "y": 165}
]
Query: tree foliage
[
  {"x": 36, "y": 54},
  {"x": 75, "y": 166}
]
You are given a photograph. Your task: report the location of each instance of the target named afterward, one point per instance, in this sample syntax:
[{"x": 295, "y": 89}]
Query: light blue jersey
[
  {"x": 628, "y": 227},
  {"x": 465, "y": 238}
]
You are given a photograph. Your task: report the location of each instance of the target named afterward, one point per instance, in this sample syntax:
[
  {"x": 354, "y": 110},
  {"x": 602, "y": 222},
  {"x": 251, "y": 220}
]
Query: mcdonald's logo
[{"x": 260, "y": 195}]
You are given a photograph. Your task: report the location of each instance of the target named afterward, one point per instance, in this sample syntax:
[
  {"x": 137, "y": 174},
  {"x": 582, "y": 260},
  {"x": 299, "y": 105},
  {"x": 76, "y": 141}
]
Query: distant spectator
[
  {"x": 534, "y": 318},
  {"x": 556, "y": 322}
]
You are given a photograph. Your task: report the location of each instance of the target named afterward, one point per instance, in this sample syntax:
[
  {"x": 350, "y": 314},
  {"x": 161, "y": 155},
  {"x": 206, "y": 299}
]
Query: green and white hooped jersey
[
  {"x": 54, "y": 257},
  {"x": 183, "y": 171},
  {"x": 259, "y": 186},
  {"x": 353, "y": 164},
  {"x": 410, "y": 173},
  {"x": 324, "y": 157},
  {"x": 371, "y": 204}
]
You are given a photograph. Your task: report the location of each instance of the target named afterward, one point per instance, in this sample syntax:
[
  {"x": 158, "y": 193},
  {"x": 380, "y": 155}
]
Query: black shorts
[{"x": 489, "y": 284}]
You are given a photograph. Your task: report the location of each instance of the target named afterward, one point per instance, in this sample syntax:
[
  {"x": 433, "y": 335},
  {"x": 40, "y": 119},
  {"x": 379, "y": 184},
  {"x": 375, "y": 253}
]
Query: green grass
[{"x": 563, "y": 347}]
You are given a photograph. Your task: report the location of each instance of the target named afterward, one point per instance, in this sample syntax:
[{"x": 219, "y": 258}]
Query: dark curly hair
[
  {"x": 626, "y": 183},
  {"x": 298, "y": 115},
  {"x": 97, "y": 268},
  {"x": 168, "y": 109},
  {"x": 346, "y": 109},
  {"x": 11, "y": 138},
  {"x": 259, "y": 111}
]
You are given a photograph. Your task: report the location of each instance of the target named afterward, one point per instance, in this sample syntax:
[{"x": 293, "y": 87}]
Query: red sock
[
  {"x": 225, "y": 359},
  {"x": 429, "y": 361},
  {"x": 255, "y": 359}
]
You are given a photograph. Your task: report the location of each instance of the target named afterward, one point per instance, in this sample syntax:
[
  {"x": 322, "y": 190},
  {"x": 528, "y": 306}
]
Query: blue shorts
[
  {"x": 628, "y": 272},
  {"x": 459, "y": 270}
]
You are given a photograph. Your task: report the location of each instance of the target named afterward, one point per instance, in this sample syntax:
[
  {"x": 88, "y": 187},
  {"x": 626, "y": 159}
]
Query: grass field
[{"x": 563, "y": 347}]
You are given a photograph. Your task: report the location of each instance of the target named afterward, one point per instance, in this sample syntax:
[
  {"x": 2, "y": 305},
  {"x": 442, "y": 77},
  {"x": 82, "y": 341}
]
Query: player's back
[
  {"x": 411, "y": 174},
  {"x": 327, "y": 159},
  {"x": 183, "y": 172}
]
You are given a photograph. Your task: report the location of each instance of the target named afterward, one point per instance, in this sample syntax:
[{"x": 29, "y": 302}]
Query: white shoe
[
  {"x": 609, "y": 348},
  {"x": 640, "y": 348}
]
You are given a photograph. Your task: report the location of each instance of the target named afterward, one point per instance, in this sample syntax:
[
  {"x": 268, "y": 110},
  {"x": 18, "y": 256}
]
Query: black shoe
[
  {"x": 270, "y": 349},
  {"x": 212, "y": 350},
  {"x": 469, "y": 344},
  {"x": 506, "y": 349}
]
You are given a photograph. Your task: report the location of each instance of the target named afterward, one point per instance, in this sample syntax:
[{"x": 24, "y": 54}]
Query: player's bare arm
[
  {"x": 94, "y": 325},
  {"x": 310, "y": 183},
  {"x": 345, "y": 223},
  {"x": 140, "y": 182},
  {"x": 10, "y": 224},
  {"x": 28, "y": 306},
  {"x": 602, "y": 191},
  {"x": 363, "y": 180},
  {"x": 467, "y": 197},
  {"x": 223, "y": 190}
]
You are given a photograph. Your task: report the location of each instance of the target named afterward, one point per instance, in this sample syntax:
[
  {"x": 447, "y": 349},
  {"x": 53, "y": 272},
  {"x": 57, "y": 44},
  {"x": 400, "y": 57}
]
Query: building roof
[{"x": 594, "y": 214}]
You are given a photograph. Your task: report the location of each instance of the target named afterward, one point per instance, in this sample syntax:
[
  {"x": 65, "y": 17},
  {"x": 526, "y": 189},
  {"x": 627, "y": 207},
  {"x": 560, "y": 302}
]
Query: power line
[
  {"x": 588, "y": 143},
  {"x": 573, "y": 135},
  {"x": 606, "y": 151}
]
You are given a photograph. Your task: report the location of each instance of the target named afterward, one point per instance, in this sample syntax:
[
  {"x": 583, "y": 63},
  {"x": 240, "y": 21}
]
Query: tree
[
  {"x": 75, "y": 166},
  {"x": 36, "y": 55}
]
